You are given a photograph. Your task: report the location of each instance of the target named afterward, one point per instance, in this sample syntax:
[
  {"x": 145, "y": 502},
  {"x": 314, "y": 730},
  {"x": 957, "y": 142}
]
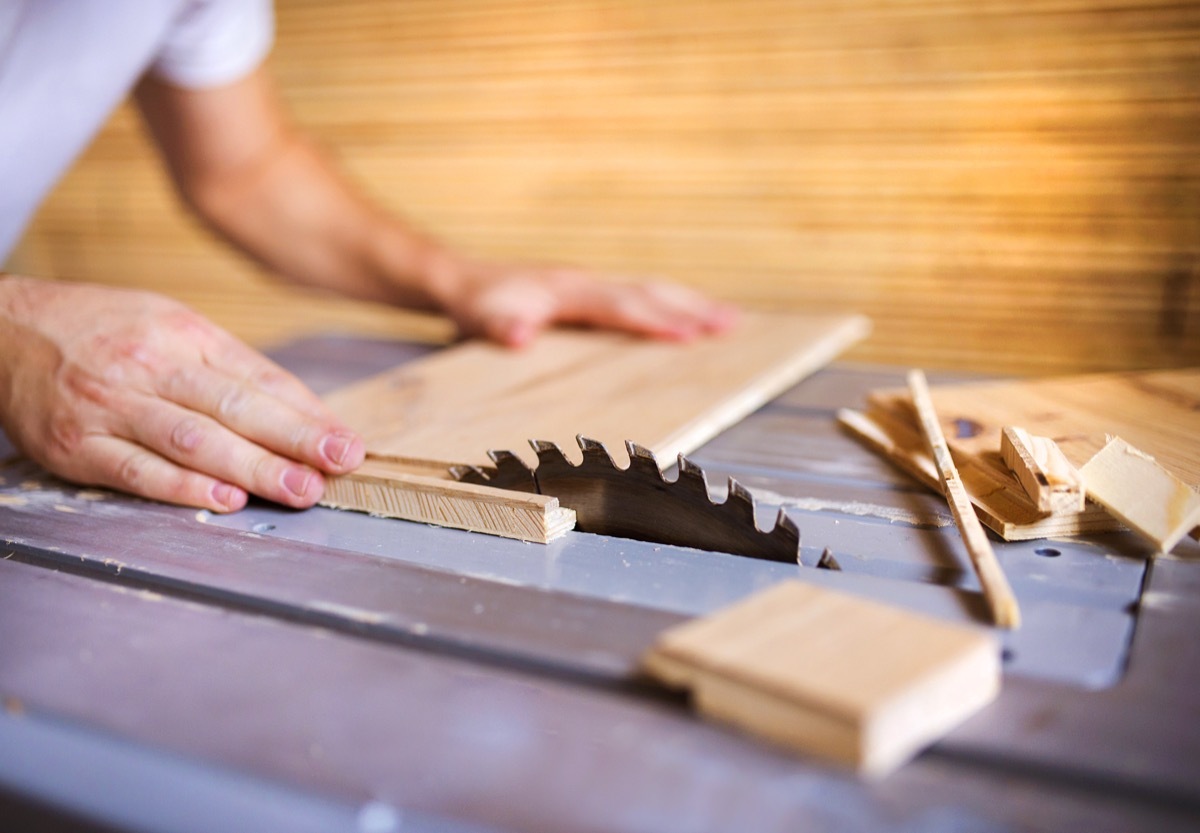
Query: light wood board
[
  {"x": 454, "y": 406},
  {"x": 832, "y": 675}
]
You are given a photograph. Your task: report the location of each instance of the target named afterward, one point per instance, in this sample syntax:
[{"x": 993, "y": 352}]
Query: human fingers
[
  {"x": 657, "y": 309},
  {"x": 225, "y": 353},
  {"x": 313, "y": 436},
  {"x": 105, "y": 460},
  {"x": 200, "y": 443}
]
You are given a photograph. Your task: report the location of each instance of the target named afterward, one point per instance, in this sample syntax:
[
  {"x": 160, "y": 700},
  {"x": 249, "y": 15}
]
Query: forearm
[
  {"x": 297, "y": 216},
  {"x": 263, "y": 186}
]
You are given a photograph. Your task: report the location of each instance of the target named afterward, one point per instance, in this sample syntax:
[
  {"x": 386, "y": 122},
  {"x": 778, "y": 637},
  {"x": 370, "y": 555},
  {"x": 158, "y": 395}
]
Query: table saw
[{"x": 164, "y": 669}]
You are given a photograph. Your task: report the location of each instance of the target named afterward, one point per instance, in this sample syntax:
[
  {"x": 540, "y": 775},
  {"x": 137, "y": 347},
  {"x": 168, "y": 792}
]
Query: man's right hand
[{"x": 136, "y": 392}]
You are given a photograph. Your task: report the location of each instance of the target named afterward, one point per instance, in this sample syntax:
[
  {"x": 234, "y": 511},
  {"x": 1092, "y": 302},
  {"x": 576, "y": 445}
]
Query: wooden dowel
[{"x": 996, "y": 590}]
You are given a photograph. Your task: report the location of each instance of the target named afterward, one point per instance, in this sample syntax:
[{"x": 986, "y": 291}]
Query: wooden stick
[{"x": 996, "y": 589}]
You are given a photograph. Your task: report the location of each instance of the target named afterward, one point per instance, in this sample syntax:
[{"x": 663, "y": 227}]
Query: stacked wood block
[{"x": 1012, "y": 186}]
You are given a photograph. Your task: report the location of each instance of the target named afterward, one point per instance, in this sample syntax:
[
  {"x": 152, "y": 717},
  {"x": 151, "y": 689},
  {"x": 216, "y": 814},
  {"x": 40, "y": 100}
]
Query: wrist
[{"x": 418, "y": 271}]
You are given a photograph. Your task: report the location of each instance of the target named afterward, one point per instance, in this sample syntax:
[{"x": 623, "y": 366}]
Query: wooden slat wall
[{"x": 1000, "y": 184}]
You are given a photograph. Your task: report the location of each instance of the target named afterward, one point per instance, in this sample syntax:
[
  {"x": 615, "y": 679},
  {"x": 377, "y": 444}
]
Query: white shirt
[{"x": 66, "y": 64}]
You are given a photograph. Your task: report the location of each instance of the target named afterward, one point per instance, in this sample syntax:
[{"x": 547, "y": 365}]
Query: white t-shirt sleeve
[{"x": 214, "y": 42}]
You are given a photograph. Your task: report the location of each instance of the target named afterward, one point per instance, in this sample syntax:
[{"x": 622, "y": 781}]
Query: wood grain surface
[{"x": 1009, "y": 186}]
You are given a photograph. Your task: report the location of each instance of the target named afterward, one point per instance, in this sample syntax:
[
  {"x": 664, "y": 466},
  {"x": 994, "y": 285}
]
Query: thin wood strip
[
  {"x": 996, "y": 590},
  {"x": 392, "y": 490}
]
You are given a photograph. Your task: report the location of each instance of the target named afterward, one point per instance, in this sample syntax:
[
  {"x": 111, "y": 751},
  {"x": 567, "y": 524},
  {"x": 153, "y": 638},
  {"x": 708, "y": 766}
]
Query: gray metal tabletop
[{"x": 165, "y": 669}]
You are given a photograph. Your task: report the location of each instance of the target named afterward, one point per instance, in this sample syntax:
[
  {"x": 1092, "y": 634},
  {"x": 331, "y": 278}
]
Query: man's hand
[
  {"x": 136, "y": 392},
  {"x": 261, "y": 184},
  {"x": 512, "y": 304}
]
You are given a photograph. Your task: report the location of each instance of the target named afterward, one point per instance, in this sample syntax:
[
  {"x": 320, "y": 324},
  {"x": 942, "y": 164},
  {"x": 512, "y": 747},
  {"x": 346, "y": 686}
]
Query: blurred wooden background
[{"x": 1008, "y": 185}]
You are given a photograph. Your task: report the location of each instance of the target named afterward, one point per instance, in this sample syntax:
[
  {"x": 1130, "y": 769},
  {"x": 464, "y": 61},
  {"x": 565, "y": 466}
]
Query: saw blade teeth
[
  {"x": 549, "y": 453},
  {"x": 642, "y": 460},
  {"x": 506, "y": 460},
  {"x": 691, "y": 477},
  {"x": 594, "y": 451},
  {"x": 787, "y": 529},
  {"x": 470, "y": 474},
  {"x": 740, "y": 502}
]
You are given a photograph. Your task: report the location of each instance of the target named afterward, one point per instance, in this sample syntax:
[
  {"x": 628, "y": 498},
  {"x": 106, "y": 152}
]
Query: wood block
[
  {"x": 1053, "y": 484},
  {"x": 395, "y": 491},
  {"x": 849, "y": 680},
  {"x": 1145, "y": 496}
]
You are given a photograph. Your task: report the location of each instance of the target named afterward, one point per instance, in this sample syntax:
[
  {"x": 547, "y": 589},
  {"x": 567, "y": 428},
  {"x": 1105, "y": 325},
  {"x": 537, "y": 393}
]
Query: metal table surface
[{"x": 163, "y": 669}]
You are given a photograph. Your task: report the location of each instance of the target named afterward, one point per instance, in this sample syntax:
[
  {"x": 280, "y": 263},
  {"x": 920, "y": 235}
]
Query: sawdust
[
  {"x": 854, "y": 507},
  {"x": 61, "y": 507},
  {"x": 91, "y": 494},
  {"x": 12, "y": 500}
]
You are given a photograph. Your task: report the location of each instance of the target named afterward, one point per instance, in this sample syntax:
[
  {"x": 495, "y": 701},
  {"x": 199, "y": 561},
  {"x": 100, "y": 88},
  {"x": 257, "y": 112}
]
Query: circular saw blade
[{"x": 640, "y": 502}]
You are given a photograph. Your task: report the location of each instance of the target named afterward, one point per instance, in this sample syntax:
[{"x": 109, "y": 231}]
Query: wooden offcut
[
  {"x": 996, "y": 591},
  {"x": 452, "y": 407},
  {"x": 1051, "y": 481},
  {"x": 387, "y": 489},
  {"x": 853, "y": 681},
  {"x": 1145, "y": 496},
  {"x": 1156, "y": 411}
]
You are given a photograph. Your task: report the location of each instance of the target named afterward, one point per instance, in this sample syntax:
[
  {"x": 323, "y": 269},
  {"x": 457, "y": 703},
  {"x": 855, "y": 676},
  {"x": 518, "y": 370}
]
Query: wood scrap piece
[
  {"x": 394, "y": 491},
  {"x": 996, "y": 590},
  {"x": 1145, "y": 496},
  {"x": 1000, "y": 503},
  {"x": 850, "y": 680},
  {"x": 1053, "y": 484}
]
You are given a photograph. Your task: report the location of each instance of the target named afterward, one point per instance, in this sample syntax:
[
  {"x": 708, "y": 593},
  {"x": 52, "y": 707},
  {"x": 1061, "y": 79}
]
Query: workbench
[{"x": 164, "y": 669}]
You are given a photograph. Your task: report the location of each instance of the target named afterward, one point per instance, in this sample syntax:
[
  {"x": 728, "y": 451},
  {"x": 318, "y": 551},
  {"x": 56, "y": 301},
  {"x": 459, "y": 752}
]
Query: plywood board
[
  {"x": 452, "y": 407},
  {"x": 828, "y": 674}
]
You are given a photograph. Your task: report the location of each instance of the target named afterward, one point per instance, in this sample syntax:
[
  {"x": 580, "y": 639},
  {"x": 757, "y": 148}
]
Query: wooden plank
[
  {"x": 452, "y": 407},
  {"x": 828, "y": 674},
  {"x": 395, "y": 491},
  {"x": 996, "y": 590},
  {"x": 1146, "y": 497},
  {"x": 1052, "y": 483}
]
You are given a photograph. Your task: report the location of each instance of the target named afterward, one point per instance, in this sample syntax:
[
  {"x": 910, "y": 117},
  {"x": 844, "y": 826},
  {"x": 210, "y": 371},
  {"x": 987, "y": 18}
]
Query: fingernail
[
  {"x": 336, "y": 448},
  {"x": 230, "y": 497},
  {"x": 297, "y": 480}
]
